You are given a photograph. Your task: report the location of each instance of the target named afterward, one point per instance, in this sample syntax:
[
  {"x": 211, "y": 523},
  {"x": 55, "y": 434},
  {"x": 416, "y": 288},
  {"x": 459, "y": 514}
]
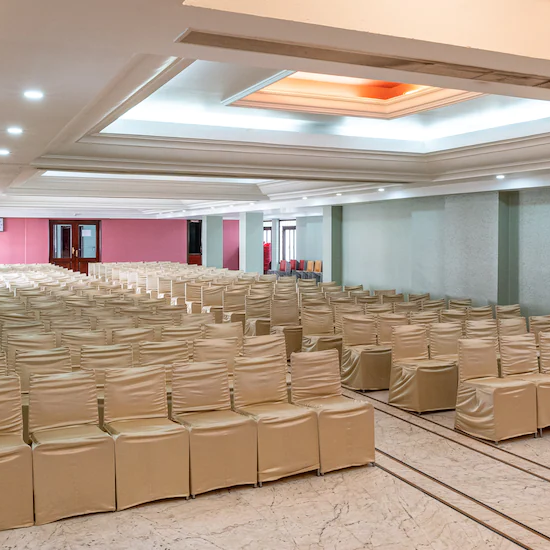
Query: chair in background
[
  {"x": 16, "y": 488},
  {"x": 443, "y": 340},
  {"x": 99, "y": 359},
  {"x": 418, "y": 383},
  {"x": 43, "y": 361},
  {"x": 460, "y": 303},
  {"x": 538, "y": 324},
  {"x": 365, "y": 365},
  {"x": 152, "y": 452},
  {"x": 385, "y": 324},
  {"x": 257, "y": 315},
  {"x": 285, "y": 320},
  {"x": 486, "y": 328},
  {"x": 133, "y": 337},
  {"x": 73, "y": 460},
  {"x": 479, "y": 313},
  {"x": 512, "y": 326},
  {"x": 216, "y": 349},
  {"x": 288, "y": 441},
  {"x": 508, "y": 312},
  {"x": 518, "y": 360},
  {"x": 433, "y": 305},
  {"x": 75, "y": 339},
  {"x": 265, "y": 346},
  {"x": 223, "y": 444},
  {"x": 346, "y": 426},
  {"x": 318, "y": 330},
  {"x": 28, "y": 342},
  {"x": 487, "y": 406},
  {"x": 225, "y": 330}
]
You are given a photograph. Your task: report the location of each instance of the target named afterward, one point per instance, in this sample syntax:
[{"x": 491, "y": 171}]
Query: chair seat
[
  {"x": 212, "y": 418},
  {"x": 10, "y": 442},
  {"x": 68, "y": 433},
  {"x": 274, "y": 412},
  {"x": 452, "y": 357},
  {"x": 491, "y": 383},
  {"x": 537, "y": 378},
  {"x": 423, "y": 363},
  {"x": 143, "y": 426},
  {"x": 337, "y": 404}
]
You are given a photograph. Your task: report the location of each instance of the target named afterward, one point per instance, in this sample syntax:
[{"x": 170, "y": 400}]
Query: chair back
[
  {"x": 28, "y": 342},
  {"x": 544, "y": 348},
  {"x": 518, "y": 355},
  {"x": 258, "y": 380},
  {"x": 216, "y": 349},
  {"x": 133, "y": 394},
  {"x": 11, "y": 419},
  {"x": 477, "y": 358},
  {"x": 443, "y": 339},
  {"x": 315, "y": 375},
  {"x": 358, "y": 330},
  {"x": 99, "y": 359},
  {"x": 508, "y": 312},
  {"x": 75, "y": 339},
  {"x": 265, "y": 346},
  {"x": 225, "y": 330},
  {"x": 59, "y": 400},
  {"x": 386, "y": 322},
  {"x": 163, "y": 353},
  {"x": 285, "y": 311},
  {"x": 41, "y": 361},
  {"x": 513, "y": 326},
  {"x": 409, "y": 342},
  {"x": 200, "y": 387},
  {"x": 476, "y": 313},
  {"x": 317, "y": 321}
]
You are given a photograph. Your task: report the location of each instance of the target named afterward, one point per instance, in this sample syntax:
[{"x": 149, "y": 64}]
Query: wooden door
[{"x": 75, "y": 243}]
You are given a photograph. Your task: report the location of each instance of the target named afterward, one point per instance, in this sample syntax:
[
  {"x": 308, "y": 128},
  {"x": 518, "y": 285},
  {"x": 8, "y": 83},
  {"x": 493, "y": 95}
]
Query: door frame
[{"x": 75, "y": 260}]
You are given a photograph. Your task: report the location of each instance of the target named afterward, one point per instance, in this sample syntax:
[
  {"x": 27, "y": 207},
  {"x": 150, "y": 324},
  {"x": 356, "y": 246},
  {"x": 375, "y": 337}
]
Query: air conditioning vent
[{"x": 241, "y": 43}]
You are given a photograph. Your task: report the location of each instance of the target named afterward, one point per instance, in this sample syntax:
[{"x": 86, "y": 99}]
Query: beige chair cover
[
  {"x": 346, "y": 426},
  {"x": 539, "y": 324},
  {"x": 443, "y": 340},
  {"x": 384, "y": 292},
  {"x": 508, "y": 312},
  {"x": 99, "y": 359},
  {"x": 454, "y": 316},
  {"x": 518, "y": 359},
  {"x": 46, "y": 361},
  {"x": 392, "y": 298},
  {"x": 258, "y": 311},
  {"x": 263, "y": 346},
  {"x": 424, "y": 318},
  {"x": 28, "y": 342},
  {"x": 114, "y": 323},
  {"x": 73, "y": 460},
  {"x": 317, "y": 321},
  {"x": 487, "y": 406},
  {"x": 513, "y": 326},
  {"x": 223, "y": 443},
  {"x": 419, "y": 297},
  {"x": 418, "y": 383},
  {"x": 3, "y": 364},
  {"x": 197, "y": 319},
  {"x": 292, "y": 335},
  {"x": 486, "y": 328},
  {"x": 152, "y": 452},
  {"x": 404, "y": 308},
  {"x": 544, "y": 347},
  {"x": 433, "y": 305},
  {"x": 386, "y": 322},
  {"x": 287, "y": 434},
  {"x": 74, "y": 340},
  {"x": 225, "y": 330},
  {"x": 58, "y": 326},
  {"x": 284, "y": 312},
  {"x": 341, "y": 310},
  {"x": 164, "y": 354},
  {"x": 134, "y": 336},
  {"x": 484, "y": 312},
  {"x": 16, "y": 487},
  {"x": 460, "y": 303},
  {"x": 156, "y": 322},
  {"x": 216, "y": 349}
]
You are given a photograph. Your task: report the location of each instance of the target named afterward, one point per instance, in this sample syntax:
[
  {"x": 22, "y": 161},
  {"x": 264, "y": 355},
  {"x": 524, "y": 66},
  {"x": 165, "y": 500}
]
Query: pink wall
[
  {"x": 24, "y": 241},
  {"x": 143, "y": 240},
  {"x": 231, "y": 244}
]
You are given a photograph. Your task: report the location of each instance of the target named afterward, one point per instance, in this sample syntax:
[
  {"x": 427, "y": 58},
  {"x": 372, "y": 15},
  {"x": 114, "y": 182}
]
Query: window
[
  {"x": 267, "y": 233},
  {"x": 288, "y": 240}
]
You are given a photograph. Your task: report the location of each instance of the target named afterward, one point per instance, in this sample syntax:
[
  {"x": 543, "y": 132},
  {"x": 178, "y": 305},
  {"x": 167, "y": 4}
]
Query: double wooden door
[{"x": 74, "y": 243}]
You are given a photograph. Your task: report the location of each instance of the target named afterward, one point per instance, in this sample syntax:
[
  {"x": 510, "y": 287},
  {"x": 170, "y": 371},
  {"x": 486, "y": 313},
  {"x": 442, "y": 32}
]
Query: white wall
[
  {"x": 445, "y": 245},
  {"x": 309, "y": 238}
]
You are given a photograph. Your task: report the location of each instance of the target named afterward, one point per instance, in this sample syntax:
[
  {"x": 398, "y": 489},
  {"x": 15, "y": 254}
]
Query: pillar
[
  {"x": 212, "y": 241},
  {"x": 275, "y": 243},
  {"x": 251, "y": 240},
  {"x": 508, "y": 247},
  {"x": 332, "y": 243}
]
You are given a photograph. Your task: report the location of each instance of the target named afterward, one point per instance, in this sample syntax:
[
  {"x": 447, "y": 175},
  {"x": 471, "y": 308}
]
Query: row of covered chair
[{"x": 210, "y": 441}]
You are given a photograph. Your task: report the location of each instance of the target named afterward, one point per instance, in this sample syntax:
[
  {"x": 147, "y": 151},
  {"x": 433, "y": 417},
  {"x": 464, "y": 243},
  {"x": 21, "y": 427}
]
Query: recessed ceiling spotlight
[
  {"x": 251, "y": 204},
  {"x": 4, "y": 152},
  {"x": 231, "y": 206},
  {"x": 15, "y": 130},
  {"x": 338, "y": 194},
  {"x": 33, "y": 94},
  {"x": 500, "y": 177},
  {"x": 304, "y": 198},
  {"x": 381, "y": 189}
]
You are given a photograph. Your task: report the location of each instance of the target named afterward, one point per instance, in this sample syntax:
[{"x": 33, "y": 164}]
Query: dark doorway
[{"x": 194, "y": 242}]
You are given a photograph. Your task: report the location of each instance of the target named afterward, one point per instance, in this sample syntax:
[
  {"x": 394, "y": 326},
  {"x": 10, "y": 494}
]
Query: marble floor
[{"x": 432, "y": 489}]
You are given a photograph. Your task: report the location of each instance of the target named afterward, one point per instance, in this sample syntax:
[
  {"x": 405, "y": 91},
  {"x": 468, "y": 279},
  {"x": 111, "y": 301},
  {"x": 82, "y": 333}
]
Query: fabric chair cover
[
  {"x": 508, "y": 312},
  {"x": 293, "y": 337},
  {"x": 365, "y": 365},
  {"x": 164, "y": 354},
  {"x": 16, "y": 487},
  {"x": 285, "y": 312},
  {"x": 539, "y": 324},
  {"x": 28, "y": 342},
  {"x": 433, "y": 305},
  {"x": 460, "y": 303},
  {"x": 156, "y": 322},
  {"x": 133, "y": 336},
  {"x": 288, "y": 441},
  {"x": 418, "y": 383},
  {"x": 419, "y": 297},
  {"x": 424, "y": 318},
  {"x": 43, "y": 361},
  {"x": 344, "y": 309},
  {"x": 392, "y": 298},
  {"x": 74, "y": 340},
  {"x": 544, "y": 347},
  {"x": 257, "y": 311},
  {"x": 386, "y": 322},
  {"x": 73, "y": 460},
  {"x": 366, "y": 299},
  {"x": 216, "y": 349},
  {"x": 443, "y": 340},
  {"x": 197, "y": 319},
  {"x": 486, "y": 328},
  {"x": 484, "y": 312},
  {"x": 263, "y": 346},
  {"x": 487, "y": 406},
  {"x": 513, "y": 326},
  {"x": 406, "y": 307},
  {"x": 225, "y": 330},
  {"x": 152, "y": 452},
  {"x": 385, "y": 292},
  {"x": 113, "y": 323},
  {"x": 346, "y": 426},
  {"x": 58, "y": 326},
  {"x": 3, "y": 364},
  {"x": 223, "y": 443},
  {"x": 99, "y": 359}
]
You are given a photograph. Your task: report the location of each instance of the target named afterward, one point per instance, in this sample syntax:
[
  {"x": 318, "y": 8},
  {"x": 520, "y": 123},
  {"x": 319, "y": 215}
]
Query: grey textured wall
[{"x": 445, "y": 245}]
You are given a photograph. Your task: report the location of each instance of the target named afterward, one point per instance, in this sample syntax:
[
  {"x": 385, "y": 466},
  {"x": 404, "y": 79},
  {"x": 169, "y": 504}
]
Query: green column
[
  {"x": 508, "y": 248},
  {"x": 212, "y": 241},
  {"x": 332, "y": 243},
  {"x": 251, "y": 242}
]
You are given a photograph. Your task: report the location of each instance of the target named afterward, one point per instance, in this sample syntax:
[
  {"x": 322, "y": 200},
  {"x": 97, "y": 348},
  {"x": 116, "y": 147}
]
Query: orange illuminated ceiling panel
[{"x": 349, "y": 96}]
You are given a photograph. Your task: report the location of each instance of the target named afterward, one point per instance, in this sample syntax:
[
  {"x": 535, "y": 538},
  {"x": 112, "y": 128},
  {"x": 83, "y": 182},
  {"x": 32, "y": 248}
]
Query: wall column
[
  {"x": 212, "y": 241},
  {"x": 508, "y": 247},
  {"x": 332, "y": 243},
  {"x": 275, "y": 244},
  {"x": 251, "y": 239}
]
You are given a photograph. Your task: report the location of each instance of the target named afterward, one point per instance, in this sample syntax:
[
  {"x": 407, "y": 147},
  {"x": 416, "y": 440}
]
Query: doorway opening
[{"x": 194, "y": 242}]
